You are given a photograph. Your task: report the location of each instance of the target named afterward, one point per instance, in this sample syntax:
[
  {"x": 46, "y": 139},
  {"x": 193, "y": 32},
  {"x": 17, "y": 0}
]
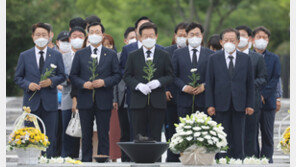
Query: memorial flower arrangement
[
  {"x": 285, "y": 142},
  {"x": 248, "y": 160},
  {"x": 198, "y": 138},
  {"x": 194, "y": 78}
]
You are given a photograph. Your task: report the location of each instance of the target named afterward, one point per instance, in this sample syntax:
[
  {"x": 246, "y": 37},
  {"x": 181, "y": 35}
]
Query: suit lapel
[
  {"x": 187, "y": 58},
  {"x": 201, "y": 57},
  {"x": 34, "y": 60},
  {"x": 237, "y": 64},
  {"x": 155, "y": 56},
  {"x": 47, "y": 60},
  {"x": 224, "y": 65},
  {"x": 142, "y": 57},
  {"x": 102, "y": 57}
]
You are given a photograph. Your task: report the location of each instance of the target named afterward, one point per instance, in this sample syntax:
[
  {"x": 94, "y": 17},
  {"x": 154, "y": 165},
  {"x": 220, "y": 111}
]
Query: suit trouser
[
  {"x": 267, "y": 129},
  {"x": 70, "y": 145},
  {"x": 152, "y": 117},
  {"x": 183, "y": 111},
  {"x": 234, "y": 126},
  {"x": 50, "y": 119},
  {"x": 251, "y": 134},
  {"x": 125, "y": 129},
  {"x": 103, "y": 126},
  {"x": 170, "y": 130}
]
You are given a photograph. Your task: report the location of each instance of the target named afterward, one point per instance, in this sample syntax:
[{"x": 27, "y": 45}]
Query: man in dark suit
[
  {"x": 185, "y": 59},
  {"x": 171, "y": 91},
  {"x": 31, "y": 65},
  {"x": 230, "y": 90},
  {"x": 260, "y": 75},
  {"x": 126, "y": 50},
  {"x": 108, "y": 72},
  {"x": 152, "y": 113},
  {"x": 260, "y": 41}
]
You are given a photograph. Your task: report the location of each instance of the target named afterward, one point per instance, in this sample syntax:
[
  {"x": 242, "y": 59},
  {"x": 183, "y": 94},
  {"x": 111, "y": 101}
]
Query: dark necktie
[
  {"x": 231, "y": 66},
  {"x": 194, "y": 58},
  {"x": 148, "y": 53},
  {"x": 95, "y": 50},
  {"x": 41, "y": 61}
]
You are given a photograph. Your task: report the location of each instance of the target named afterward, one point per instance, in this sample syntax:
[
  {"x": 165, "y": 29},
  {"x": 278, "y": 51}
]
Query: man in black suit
[
  {"x": 144, "y": 113},
  {"x": 230, "y": 90},
  {"x": 171, "y": 91},
  {"x": 99, "y": 105},
  {"x": 260, "y": 75},
  {"x": 184, "y": 60}
]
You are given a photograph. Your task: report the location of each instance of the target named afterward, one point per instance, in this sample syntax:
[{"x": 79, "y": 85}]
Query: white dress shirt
[
  {"x": 98, "y": 51},
  {"x": 38, "y": 54},
  {"x": 72, "y": 55},
  {"x": 151, "y": 54},
  {"x": 139, "y": 43},
  {"x": 246, "y": 51},
  {"x": 228, "y": 59},
  {"x": 191, "y": 52}
]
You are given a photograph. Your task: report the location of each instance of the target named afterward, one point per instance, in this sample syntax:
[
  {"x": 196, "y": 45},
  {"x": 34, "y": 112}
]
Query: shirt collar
[
  {"x": 190, "y": 48},
  {"x": 227, "y": 54},
  {"x": 139, "y": 43},
  {"x": 99, "y": 49},
  {"x": 38, "y": 50},
  {"x": 152, "y": 50},
  {"x": 246, "y": 51}
]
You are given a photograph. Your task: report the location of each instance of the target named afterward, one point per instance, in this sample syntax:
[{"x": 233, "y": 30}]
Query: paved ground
[{"x": 14, "y": 106}]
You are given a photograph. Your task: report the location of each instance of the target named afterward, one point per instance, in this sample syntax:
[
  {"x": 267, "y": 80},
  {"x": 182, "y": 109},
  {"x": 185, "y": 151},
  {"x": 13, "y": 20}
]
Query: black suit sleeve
[
  {"x": 169, "y": 75},
  {"x": 210, "y": 83},
  {"x": 261, "y": 74},
  {"x": 250, "y": 86}
]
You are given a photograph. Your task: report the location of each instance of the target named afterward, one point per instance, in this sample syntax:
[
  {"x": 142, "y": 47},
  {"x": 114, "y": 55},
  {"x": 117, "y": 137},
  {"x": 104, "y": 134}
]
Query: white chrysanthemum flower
[
  {"x": 210, "y": 142},
  {"x": 52, "y": 161},
  {"x": 197, "y": 134},
  {"x": 235, "y": 161},
  {"x": 53, "y": 66},
  {"x": 196, "y": 128},
  {"x": 264, "y": 161},
  {"x": 149, "y": 59},
  {"x": 94, "y": 56},
  {"x": 213, "y": 133},
  {"x": 193, "y": 70},
  {"x": 207, "y": 137},
  {"x": 204, "y": 133},
  {"x": 205, "y": 127},
  {"x": 189, "y": 132},
  {"x": 43, "y": 160},
  {"x": 189, "y": 138},
  {"x": 200, "y": 139},
  {"x": 187, "y": 127},
  {"x": 222, "y": 161}
]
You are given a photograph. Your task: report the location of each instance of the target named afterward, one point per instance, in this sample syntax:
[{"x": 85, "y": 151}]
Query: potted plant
[{"x": 198, "y": 138}]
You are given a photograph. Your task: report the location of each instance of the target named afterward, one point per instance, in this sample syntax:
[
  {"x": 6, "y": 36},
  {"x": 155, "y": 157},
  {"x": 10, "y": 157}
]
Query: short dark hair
[
  {"x": 92, "y": 19},
  {"x": 261, "y": 28},
  {"x": 140, "y": 19},
  {"x": 214, "y": 41},
  {"x": 127, "y": 31},
  {"x": 50, "y": 26},
  {"x": 95, "y": 24},
  {"x": 182, "y": 25},
  {"x": 148, "y": 25},
  {"x": 229, "y": 30},
  {"x": 246, "y": 28},
  {"x": 77, "y": 22},
  {"x": 194, "y": 25},
  {"x": 78, "y": 28},
  {"x": 40, "y": 25}
]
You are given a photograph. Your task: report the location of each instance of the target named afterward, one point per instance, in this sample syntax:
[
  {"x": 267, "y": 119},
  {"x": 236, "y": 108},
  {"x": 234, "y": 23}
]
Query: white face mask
[
  {"x": 181, "y": 41},
  {"x": 41, "y": 42},
  {"x": 194, "y": 41},
  {"x": 149, "y": 42},
  {"x": 132, "y": 41},
  {"x": 260, "y": 44},
  {"x": 243, "y": 42},
  {"x": 95, "y": 39},
  {"x": 65, "y": 47},
  {"x": 229, "y": 47},
  {"x": 77, "y": 43}
]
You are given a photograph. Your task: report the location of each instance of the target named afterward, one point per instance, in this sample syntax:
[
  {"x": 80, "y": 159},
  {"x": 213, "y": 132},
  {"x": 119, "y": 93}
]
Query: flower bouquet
[
  {"x": 27, "y": 141},
  {"x": 285, "y": 142},
  {"x": 198, "y": 138}
]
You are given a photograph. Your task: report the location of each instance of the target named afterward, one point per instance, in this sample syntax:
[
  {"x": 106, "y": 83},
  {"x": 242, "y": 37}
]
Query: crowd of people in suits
[{"x": 238, "y": 86}]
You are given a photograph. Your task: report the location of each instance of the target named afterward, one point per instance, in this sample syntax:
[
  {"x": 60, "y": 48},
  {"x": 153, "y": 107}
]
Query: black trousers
[
  {"x": 125, "y": 130},
  {"x": 234, "y": 126},
  {"x": 251, "y": 134},
  {"x": 267, "y": 129},
  {"x": 103, "y": 126},
  {"x": 150, "y": 116},
  {"x": 170, "y": 129}
]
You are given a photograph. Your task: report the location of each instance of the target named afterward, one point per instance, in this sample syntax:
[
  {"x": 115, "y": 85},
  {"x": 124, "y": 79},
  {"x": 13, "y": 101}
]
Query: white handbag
[{"x": 74, "y": 127}]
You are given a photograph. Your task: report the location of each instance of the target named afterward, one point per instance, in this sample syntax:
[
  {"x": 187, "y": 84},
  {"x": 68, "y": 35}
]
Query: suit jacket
[
  {"x": 119, "y": 90},
  {"x": 223, "y": 90},
  {"x": 134, "y": 75},
  {"x": 273, "y": 67},
  {"x": 172, "y": 87},
  {"x": 27, "y": 71},
  {"x": 126, "y": 50},
  {"x": 66, "y": 103},
  {"x": 107, "y": 69},
  {"x": 260, "y": 76},
  {"x": 182, "y": 66}
]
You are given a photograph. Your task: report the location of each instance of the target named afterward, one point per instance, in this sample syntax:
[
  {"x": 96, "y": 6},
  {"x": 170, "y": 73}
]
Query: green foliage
[{"x": 117, "y": 15}]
